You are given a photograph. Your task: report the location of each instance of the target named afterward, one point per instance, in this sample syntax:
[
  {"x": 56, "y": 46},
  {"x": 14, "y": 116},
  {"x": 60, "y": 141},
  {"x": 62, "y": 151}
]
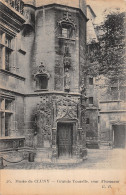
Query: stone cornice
[
  {"x": 55, "y": 5},
  {"x": 12, "y": 74},
  {"x": 112, "y": 111},
  {"x": 40, "y": 93},
  {"x": 13, "y": 10},
  {"x": 52, "y": 93},
  {"x": 110, "y": 101},
  {"x": 10, "y": 17}
]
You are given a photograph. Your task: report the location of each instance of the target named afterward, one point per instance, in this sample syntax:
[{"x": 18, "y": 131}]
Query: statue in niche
[{"x": 67, "y": 80}]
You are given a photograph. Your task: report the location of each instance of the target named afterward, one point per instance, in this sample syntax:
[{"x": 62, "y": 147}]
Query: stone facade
[
  {"x": 112, "y": 115},
  {"x": 107, "y": 121},
  {"x": 41, "y": 86}
]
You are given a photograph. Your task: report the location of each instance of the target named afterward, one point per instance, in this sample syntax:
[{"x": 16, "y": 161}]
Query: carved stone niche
[
  {"x": 67, "y": 57},
  {"x": 67, "y": 62},
  {"x": 67, "y": 80}
]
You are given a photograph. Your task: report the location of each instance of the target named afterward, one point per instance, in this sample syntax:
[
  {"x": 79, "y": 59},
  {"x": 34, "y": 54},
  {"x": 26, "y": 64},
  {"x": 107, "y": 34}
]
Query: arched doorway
[{"x": 64, "y": 139}]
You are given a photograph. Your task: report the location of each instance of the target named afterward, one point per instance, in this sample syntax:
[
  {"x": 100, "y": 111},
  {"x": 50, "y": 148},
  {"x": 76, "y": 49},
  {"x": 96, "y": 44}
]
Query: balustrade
[{"x": 16, "y": 4}]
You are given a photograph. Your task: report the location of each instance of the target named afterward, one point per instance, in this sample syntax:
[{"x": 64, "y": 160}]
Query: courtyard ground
[{"x": 96, "y": 159}]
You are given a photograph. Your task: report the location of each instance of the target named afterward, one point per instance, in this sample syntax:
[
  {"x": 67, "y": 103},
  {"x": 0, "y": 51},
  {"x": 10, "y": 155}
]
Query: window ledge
[
  {"x": 11, "y": 138},
  {"x": 9, "y": 112},
  {"x": 92, "y": 108},
  {"x": 112, "y": 111},
  {"x": 12, "y": 74},
  {"x": 41, "y": 90},
  {"x": 110, "y": 101},
  {"x": 6, "y": 111},
  {"x": 71, "y": 39}
]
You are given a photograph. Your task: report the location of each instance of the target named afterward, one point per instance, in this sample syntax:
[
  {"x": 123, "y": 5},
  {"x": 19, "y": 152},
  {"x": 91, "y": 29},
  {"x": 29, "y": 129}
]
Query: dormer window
[
  {"x": 67, "y": 26},
  {"x": 41, "y": 77}
]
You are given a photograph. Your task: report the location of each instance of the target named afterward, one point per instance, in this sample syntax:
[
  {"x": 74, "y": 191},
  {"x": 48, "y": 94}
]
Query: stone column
[{"x": 54, "y": 144}]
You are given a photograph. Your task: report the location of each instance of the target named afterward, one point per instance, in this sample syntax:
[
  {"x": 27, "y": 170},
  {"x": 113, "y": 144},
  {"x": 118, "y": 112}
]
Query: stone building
[
  {"x": 110, "y": 99},
  {"x": 43, "y": 45},
  {"x": 92, "y": 104}
]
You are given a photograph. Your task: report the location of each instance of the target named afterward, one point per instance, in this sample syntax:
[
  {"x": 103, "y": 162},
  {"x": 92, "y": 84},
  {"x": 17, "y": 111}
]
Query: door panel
[
  {"x": 64, "y": 139},
  {"x": 119, "y": 136}
]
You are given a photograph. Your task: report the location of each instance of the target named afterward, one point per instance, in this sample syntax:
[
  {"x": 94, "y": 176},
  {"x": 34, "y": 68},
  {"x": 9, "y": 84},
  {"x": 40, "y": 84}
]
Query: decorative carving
[
  {"x": 67, "y": 80},
  {"x": 44, "y": 117},
  {"x": 16, "y": 4},
  {"x": 67, "y": 62},
  {"x": 67, "y": 21},
  {"x": 41, "y": 71},
  {"x": 66, "y": 109}
]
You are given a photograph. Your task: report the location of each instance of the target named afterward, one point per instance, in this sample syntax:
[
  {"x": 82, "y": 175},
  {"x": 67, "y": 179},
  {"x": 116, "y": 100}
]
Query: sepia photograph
[{"x": 62, "y": 96}]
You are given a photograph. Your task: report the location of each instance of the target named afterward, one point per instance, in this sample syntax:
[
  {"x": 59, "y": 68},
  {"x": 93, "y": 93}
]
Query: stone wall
[
  {"x": 41, "y": 49},
  {"x": 42, "y": 114}
]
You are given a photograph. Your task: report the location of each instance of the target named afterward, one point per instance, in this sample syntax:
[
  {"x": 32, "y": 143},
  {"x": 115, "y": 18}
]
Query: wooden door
[
  {"x": 119, "y": 136},
  {"x": 64, "y": 139}
]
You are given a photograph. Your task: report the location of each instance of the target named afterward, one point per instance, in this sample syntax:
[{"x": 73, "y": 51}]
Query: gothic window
[
  {"x": 42, "y": 82},
  {"x": 5, "y": 116}
]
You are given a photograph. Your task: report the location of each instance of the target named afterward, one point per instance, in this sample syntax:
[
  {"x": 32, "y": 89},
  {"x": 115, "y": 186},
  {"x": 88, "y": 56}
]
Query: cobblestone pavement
[{"x": 97, "y": 159}]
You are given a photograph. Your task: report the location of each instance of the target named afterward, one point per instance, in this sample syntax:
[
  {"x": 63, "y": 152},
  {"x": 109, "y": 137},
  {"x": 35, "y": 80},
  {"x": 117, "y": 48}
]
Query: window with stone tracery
[
  {"x": 67, "y": 26},
  {"x": 5, "y": 51},
  {"x": 67, "y": 32},
  {"x": 5, "y": 116}
]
